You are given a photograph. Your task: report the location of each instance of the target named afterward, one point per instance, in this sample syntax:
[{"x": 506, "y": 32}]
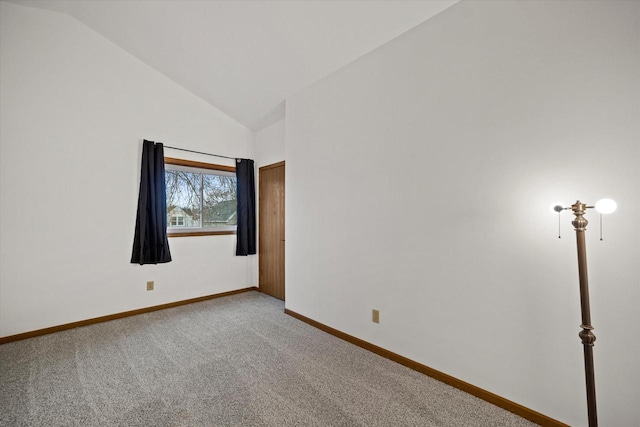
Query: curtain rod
[{"x": 200, "y": 152}]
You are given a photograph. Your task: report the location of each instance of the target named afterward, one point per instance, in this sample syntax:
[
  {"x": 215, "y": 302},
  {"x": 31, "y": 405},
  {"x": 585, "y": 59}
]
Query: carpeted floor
[{"x": 233, "y": 361}]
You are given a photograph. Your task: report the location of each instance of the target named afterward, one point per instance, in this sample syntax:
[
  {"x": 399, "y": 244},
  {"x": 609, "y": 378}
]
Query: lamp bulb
[{"x": 606, "y": 206}]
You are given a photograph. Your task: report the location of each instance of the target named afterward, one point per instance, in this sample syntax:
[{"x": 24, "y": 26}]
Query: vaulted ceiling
[{"x": 246, "y": 57}]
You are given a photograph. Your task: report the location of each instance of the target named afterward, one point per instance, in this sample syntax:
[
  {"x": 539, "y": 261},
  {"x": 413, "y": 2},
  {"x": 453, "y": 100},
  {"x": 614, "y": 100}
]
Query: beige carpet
[{"x": 233, "y": 361}]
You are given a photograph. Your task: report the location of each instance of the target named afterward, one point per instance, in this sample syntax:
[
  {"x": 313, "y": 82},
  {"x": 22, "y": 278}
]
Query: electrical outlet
[
  {"x": 150, "y": 285},
  {"x": 376, "y": 316}
]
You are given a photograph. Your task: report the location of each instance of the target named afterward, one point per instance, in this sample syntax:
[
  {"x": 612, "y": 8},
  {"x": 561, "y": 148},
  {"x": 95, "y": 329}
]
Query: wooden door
[{"x": 271, "y": 230}]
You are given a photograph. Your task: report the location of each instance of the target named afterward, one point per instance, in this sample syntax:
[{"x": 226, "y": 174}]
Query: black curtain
[
  {"x": 246, "y": 210},
  {"x": 150, "y": 243}
]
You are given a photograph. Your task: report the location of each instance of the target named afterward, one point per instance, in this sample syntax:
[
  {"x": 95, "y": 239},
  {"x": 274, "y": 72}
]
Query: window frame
[{"x": 197, "y": 231}]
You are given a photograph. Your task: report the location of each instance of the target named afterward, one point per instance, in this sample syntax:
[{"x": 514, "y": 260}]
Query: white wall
[
  {"x": 269, "y": 144},
  {"x": 419, "y": 180},
  {"x": 74, "y": 110}
]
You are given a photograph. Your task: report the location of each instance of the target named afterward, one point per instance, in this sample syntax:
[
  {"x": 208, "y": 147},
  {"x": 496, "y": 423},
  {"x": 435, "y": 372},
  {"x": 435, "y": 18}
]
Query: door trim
[{"x": 271, "y": 166}]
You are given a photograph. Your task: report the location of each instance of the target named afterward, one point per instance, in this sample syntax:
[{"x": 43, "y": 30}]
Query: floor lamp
[{"x": 603, "y": 206}]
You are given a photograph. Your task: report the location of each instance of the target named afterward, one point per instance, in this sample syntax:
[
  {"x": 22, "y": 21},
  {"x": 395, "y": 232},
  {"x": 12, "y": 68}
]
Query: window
[
  {"x": 201, "y": 198},
  {"x": 174, "y": 220}
]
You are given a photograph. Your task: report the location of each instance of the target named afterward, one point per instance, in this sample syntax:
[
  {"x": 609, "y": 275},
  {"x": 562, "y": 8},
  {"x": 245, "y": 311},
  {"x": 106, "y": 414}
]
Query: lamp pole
[{"x": 586, "y": 335}]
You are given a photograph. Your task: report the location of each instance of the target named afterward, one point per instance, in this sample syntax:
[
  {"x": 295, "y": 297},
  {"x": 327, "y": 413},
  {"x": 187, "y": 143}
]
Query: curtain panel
[
  {"x": 150, "y": 242},
  {"x": 246, "y": 210}
]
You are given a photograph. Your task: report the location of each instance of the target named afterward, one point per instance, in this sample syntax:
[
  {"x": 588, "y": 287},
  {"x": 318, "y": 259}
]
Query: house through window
[{"x": 201, "y": 198}]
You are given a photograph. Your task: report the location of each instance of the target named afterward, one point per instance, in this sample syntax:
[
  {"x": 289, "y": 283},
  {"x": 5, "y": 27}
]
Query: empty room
[{"x": 320, "y": 213}]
